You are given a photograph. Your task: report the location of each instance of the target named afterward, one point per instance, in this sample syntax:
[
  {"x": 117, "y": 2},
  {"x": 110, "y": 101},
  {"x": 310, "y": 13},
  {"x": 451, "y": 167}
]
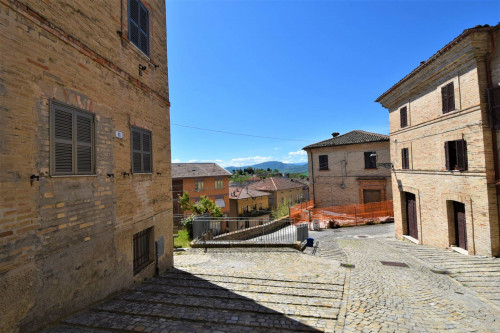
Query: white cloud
[
  {"x": 276, "y": 148},
  {"x": 243, "y": 161},
  {"x": 298, "y": 153},
  {"x": 176, "y": 160}
]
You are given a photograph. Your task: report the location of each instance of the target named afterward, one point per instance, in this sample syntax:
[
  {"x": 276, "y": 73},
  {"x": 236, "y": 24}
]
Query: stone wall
[{"x": 66, "y": 241}]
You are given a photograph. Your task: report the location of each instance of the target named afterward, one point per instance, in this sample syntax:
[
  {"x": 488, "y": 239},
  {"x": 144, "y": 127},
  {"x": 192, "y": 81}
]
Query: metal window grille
[{"x": 142, "y": 253}]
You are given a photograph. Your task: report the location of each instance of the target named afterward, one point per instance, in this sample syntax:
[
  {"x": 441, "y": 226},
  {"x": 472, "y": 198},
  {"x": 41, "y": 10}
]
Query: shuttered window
[
  {"x": 448, "y": 97},
  {"x": 405, "y": 159},
  {"x": 494, "y": 104},
  {"x": 323, "y": 162},
  {"x": 370, "y": 160},
  {"x": 138, "y": 25},
  {"x": 142, "y": 152},
  {"x": 72, "y": 143},
  {"x": 403, "y": 112},
  {"x": 456, "y": 155}
]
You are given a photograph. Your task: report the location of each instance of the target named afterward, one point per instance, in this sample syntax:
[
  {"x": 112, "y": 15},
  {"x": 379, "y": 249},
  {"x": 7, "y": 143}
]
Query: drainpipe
[{"x": 312, "y": 174}]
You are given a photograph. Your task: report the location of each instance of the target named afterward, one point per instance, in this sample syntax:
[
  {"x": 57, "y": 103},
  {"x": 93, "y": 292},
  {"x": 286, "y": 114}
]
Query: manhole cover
[
  {"x": 394, "y": 263},
  {"x": 362, "y": 236}
]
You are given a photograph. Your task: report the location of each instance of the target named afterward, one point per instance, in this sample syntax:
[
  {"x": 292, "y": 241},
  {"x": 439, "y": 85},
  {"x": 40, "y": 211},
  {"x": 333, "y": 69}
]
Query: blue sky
[{"x": 296, "y": 70}]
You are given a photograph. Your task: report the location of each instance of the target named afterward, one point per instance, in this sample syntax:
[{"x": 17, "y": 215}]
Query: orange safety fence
[{"x": 374, "y": 212}]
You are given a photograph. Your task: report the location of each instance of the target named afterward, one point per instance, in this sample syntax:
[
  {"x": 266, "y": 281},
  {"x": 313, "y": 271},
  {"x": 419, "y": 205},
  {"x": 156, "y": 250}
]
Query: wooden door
[
  {"x": 411, "y": 215},
  {"x": 460, "y": 225},
  {"x": 371, "y": 196}
]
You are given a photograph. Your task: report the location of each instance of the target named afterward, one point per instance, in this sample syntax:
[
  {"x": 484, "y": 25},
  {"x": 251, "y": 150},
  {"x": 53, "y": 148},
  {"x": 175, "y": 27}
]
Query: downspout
[{"x": 312, "y": 175}]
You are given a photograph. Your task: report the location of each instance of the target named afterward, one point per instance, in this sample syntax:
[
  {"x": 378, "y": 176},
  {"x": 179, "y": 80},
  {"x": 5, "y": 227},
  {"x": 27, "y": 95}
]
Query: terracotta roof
[
  {"x": 244, "y": 193},
  {"x": 436, "y": 55},
  {"x": 275, "y": 184},
  {"x": 350, "y": 138},
  {"x": 188, "y": 170}
]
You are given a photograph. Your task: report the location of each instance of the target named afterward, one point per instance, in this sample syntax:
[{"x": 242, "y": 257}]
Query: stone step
[
  {"x": 74, "y": 329},
  {"x": 193, "y": 280},
  {"x": 333, "y": 292},
  {"x": 228, "y": 295},
  {"x": 135, "y": 323},
  {"x": 207, "y": 315},
  {"x": 243, "y": 304}
]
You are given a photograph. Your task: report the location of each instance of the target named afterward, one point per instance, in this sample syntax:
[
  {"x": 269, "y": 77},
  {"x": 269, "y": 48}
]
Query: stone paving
[{"x": 283, "y": 290}]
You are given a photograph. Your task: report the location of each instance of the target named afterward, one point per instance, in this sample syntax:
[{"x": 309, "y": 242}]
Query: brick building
[
  {"x": 197, "y": 179},
  {"x": 85, "y": 200},
  {"x": 349, "y": 169},
  {"x": 444, "y": 146},
  {"x": 280, "y": 189}
]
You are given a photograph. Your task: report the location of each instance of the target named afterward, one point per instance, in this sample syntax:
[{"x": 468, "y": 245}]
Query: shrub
[{"x": 187, "y": 224}]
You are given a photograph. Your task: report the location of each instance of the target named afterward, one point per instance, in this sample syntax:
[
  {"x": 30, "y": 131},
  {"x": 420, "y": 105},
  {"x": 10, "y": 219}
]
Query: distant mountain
[{"x": 280, "y": 166}]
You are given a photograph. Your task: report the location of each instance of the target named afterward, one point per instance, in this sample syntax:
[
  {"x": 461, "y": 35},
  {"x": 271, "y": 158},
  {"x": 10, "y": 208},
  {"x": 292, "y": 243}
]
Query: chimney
[{"x": 335, "y": 134}]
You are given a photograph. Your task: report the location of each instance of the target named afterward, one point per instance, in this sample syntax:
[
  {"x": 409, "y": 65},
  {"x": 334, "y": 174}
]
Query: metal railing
[{"x": 245, "y": 231}]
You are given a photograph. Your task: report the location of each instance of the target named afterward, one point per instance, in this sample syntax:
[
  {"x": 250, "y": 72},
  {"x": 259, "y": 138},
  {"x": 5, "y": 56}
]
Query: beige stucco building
[
  {"x": 281, "y": 190},
  {"x": 443, "y": 147},
  {"x": 85, "y": 187},
  {"x": 353, "y": 168}
]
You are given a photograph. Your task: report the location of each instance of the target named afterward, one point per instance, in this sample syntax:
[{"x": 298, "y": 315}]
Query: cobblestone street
[{"x": 283, "y": 290}]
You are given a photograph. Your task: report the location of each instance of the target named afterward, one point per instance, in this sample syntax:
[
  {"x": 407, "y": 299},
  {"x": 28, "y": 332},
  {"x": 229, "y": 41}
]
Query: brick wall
[
  {"x": 188, "y": 185},
  {"x": 325, "y": 188},
  {"x": 434, "y": 186},
  {"x": 66, "y": 242}
]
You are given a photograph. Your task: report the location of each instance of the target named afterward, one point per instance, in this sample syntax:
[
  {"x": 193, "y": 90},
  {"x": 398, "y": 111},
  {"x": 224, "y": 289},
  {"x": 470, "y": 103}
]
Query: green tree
[
  {"x": 281, "y": 210},
  {"x": 203, "y": 206}
]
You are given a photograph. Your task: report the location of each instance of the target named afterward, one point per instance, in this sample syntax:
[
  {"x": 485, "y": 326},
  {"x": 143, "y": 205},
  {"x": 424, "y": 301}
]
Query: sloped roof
[
  {"x": 188, "y": 170},
  {"x": 244, "y": 193},
  {"x": 353, "y": 137},
  {"x": 275, "y": 184}
]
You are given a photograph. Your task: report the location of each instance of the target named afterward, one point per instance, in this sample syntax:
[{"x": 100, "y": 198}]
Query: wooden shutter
[
  {"x": 451, "y": 97},
  {"x": 136, "y": 151},
  {"x": 133, "y": 21},
  {"x": 144, "y": 29},
  {"x": 367, "y": 160},
  {"x": 494, "y": 106},
  {"x": 405, "y": 158},
  {"x": 404, "y": 117},
  {"x": 444, "y": 98},
  {"x": 146, "y": 152},
  {"x": 447, "y": 155},
  {"x": 461, "y": 146},
  {"x": 63, "y": 141},
  {"x": 84, "y": 155}
]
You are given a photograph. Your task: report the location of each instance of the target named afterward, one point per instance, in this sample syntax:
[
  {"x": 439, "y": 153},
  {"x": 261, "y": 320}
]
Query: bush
[{"x": 187, "y": 224}]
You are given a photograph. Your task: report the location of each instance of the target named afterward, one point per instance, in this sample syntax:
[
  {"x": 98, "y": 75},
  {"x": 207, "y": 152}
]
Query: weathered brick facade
[
  {"x": 346, "y": 180},
  {"x": 67, "y": 241},
  {"x": 436, "y": 188}
]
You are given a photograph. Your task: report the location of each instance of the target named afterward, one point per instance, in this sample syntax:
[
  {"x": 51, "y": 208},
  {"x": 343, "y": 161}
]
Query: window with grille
[
  {"x": 370, "y": 160},
  {"x": 405, "y": 159},
  {"x": 142, "y": 244},
  {"x": 199, "y": 185},
  {"x": 403, "y": 112},
  {"x": 448, "y": 97},
  {"x": 142, "y": 152},
  {"x": 323, "y": 162},
  {"x": 72, "y": 143},
  {"x": 138, "y": 25},
  {"x": 219, "y": 184},
  {"x": 456, "y": 155}
]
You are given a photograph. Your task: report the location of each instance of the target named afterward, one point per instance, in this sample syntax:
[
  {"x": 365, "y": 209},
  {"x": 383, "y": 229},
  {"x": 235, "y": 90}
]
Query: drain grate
[{"x": 394, "y": 263}]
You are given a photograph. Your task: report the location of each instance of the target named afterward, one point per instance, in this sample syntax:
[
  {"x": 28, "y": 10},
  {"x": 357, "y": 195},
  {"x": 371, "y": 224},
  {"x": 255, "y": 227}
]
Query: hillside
[{"x": 280, "y": 166}]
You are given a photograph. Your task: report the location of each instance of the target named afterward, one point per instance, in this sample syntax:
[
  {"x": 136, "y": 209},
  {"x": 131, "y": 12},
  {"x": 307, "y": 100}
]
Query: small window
[
  {"x": 323, "y": 162},
  {"x": 199, "y": 185},
  {"x": 254, "y": 207},
  {"x": 456, "y": 155},
  {"x": 403, "y": 112},
  {"x": 370, "y": 160},
  {"x": 405, "y": 159},
  {"x": 72, "y": 143},
  {"x": 138, "y": 25},
  {"x": 219, "y": 184},
  {"x": 260, "y": 206},
  {"x": 142, "y": 244},
  {"x": 494, "y": 106},
  {"x": 142, "y": 153},
  {"x": 448, "y": 97}
]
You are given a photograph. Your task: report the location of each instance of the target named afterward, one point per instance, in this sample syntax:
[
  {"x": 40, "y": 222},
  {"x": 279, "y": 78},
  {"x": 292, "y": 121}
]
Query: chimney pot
[{"x": 335, "y": 134}]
